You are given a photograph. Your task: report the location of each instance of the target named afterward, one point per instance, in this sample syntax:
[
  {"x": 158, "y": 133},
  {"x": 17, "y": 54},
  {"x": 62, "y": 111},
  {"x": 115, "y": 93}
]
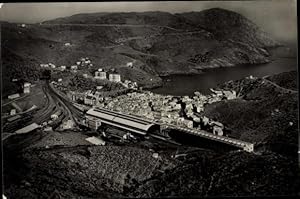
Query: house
[
  {"x": 78, "y": 63},
  {"x": 74, "y": 67},
  {"x": 68, "y": 124},
  {"x": 59, "y": 80},
  {"x": 52, "y": 65},
  {"x": 129, "y": 64},
  {"x": 230, "y": 94},
  {"x": 205, "y": 120},
  {"x": 96, "y": 141},
  {"x": 97, "y": 75},
  {"x": 26, "y": 88},
  {"x": 63, "y": 68},
  {"x": 99, "y": 87},
  {"x": 89, "y": 100},
  {"x": 67, "y": 44},
  {"x": 217, "y": 93},
  {"x": 85, "y": 75},
  {"x": 13, "y": 111},
  {"x": 115, "y": 77},
  {"x": 188, "y": 123},
  {"x": 217, "y": 130},
  {"x": 102, "y": 75},
  {"x": 100, "y": 69}
]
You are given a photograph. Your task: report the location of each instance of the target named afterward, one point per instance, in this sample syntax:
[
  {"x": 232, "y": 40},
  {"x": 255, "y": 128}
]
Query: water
[{"x": 188, "y": 84}]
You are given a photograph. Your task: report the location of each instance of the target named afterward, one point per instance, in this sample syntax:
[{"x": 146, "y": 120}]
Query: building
[
  {"x": 97, "y": 75},
  {"x": 28, "y": 128},
  {"x": 230, "y": 94},
  {"x": 52, "y": 65},
  {"x": 119, "y": 120},
  {"x": 56, "y": 115},
  {"x": 96, "y": 141},
  {"x": 63, "y": 68},
  {"x": 89, "y": 100},
  {"x": 74, "y": 67},
  {"x": 14, "y": 118},
  {"x": 67, "y": 44},
  {"x": 99, "y": 88},
  {"x": 68, "y": 124},
  {"x": 13, "y": 111},
  {"x": 129, "y": 64},
  {"x": 100, "y": 69},
  {"x": 102, "y": 75},
  {"x": 217, "y": 130},
  {"x": 85, "y": 75},
  {"x": 26, "y": 87},
  {"x": 14, "y": 96},
  {"x": 114, "y": 77},
  {"x": 59, "y": 80}
]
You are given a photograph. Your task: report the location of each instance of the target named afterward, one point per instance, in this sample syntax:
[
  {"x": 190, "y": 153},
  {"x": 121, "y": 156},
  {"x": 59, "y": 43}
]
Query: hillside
[
  {"x": 158, "y": 43},
  {"x": 262, "y": 115}
]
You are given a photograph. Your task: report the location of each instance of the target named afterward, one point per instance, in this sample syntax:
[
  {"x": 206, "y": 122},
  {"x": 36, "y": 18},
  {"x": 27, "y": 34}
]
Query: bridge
[{"x": 247, "y": 146}]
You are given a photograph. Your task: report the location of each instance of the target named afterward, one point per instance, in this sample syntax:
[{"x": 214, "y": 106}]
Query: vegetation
[{"x": 80, "y": 83}]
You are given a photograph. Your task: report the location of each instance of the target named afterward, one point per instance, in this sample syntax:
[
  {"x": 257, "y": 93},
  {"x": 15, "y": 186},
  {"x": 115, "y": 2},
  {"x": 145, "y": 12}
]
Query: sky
[{"x": 277, "y": 17}]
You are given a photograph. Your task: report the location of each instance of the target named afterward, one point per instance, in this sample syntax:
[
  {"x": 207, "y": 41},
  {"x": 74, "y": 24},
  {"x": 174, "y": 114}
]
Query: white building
[
  {"x": 67, "y": 44},
  {"x": 99, "y": 87},
  {"x": 96, "y": 141},
  {"x": 115, "y": 77},
  {"x": 52, "y": 65},
  {"x": 59, "y": 80},
  {"x": 14, "y": 96},
  {"x": 74, "y": 67},
  {"x": 97, "y": 75},
  {"x": 13, "y": 111},
  {"x": 85, "y": 75},
  {"x": 129, "y": 64},
  {"x": 27, "y": 87},
  {"x": 100, "y": 69},
  {"x": 63, "y": 68},
  {"x": 102, "y": 75}
]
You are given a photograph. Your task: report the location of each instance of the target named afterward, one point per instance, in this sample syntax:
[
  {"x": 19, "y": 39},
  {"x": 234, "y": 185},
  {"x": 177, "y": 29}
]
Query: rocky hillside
[
  {"x": 264, "y": 114},
  {"x": 158, "y": 43}
]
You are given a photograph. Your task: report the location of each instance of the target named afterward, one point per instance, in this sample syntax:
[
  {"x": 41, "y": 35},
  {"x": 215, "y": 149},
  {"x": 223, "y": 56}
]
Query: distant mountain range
[{"x": 158, "y": 43}]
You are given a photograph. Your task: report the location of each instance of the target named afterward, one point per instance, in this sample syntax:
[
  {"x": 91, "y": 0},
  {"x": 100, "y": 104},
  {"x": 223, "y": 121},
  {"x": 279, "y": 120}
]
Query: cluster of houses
[
  {"x": 83, "y": 62},
  {"x": 183, "y": 111}
]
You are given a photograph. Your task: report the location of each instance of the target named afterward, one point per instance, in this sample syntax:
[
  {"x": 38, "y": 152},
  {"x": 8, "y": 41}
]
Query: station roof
[{"x": 121, "y": 119}]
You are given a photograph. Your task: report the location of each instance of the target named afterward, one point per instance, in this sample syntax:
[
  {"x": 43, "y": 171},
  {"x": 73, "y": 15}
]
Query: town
[{"x": 129, "y": 98}]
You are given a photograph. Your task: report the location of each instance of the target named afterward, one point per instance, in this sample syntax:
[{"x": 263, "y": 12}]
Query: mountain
[{"x": 158, "y": 43}]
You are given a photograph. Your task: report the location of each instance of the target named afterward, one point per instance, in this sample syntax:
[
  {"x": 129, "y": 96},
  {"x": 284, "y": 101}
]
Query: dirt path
[{"x": 286, "y": 90}]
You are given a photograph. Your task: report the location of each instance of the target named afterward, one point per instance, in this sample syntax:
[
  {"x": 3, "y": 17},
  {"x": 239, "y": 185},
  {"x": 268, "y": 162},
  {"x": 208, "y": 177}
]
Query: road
[
  {"x": 286, "y": 90},
  {"x": 111, "y": 25}
]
